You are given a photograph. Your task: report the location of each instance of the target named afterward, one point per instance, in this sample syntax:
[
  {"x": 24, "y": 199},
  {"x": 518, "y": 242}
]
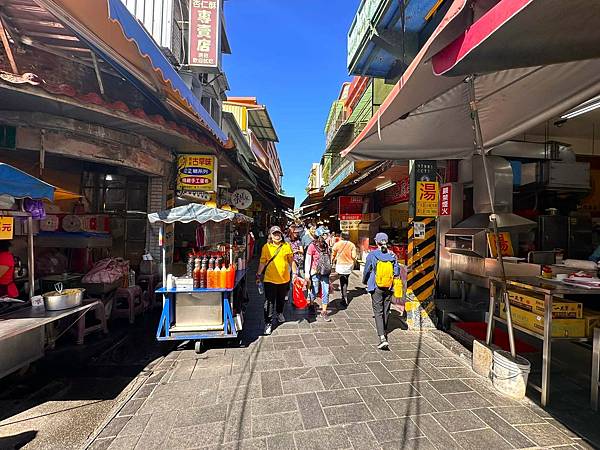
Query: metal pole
[
  {"x": 493, "y": 218},
  {"x": 161, "y": 242},
  {"x": 30, "y": 257}
]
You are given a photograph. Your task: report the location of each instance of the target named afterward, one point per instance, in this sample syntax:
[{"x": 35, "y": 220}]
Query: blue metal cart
[{"x": 198, "y": 314}]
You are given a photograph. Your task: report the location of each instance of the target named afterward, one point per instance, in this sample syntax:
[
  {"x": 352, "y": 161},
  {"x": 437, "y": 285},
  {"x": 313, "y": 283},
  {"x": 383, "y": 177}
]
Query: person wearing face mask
[
  {"x": 317, "y": 268},
  {"x": 381, "y": 267},
  {"x": 276, "y": 265}
]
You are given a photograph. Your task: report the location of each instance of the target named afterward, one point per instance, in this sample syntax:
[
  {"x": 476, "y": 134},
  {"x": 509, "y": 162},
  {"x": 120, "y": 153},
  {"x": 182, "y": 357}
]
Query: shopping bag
[
  {"x": 298, "y": 295},
  {"x": 398, "y": 288}
]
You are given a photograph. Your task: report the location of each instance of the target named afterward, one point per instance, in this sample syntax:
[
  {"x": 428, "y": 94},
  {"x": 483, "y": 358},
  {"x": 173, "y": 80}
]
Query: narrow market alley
[{"x": 316, "y": 385}]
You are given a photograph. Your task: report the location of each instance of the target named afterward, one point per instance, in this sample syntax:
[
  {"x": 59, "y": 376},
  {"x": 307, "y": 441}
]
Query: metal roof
[{"x": 261, "y": 124}]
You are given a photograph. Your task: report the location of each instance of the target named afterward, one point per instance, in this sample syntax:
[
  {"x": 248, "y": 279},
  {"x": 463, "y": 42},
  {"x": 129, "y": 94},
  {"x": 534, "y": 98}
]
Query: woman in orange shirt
[{"x": 344, "y": 256}]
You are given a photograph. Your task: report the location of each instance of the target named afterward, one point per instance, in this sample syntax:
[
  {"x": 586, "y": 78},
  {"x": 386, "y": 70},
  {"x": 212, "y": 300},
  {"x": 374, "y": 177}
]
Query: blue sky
[{"x": 291, "y": 55}]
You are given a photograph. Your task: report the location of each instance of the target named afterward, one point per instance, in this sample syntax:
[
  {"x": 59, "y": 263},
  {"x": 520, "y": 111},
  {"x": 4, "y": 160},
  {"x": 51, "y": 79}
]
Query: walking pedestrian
[
  {"x": 317, "y": 268},
  {"x": 297, "y": 248},
  {"x": 276, "y": 264},
  {"x": 309, "y": 235},
  {"x": 381, "y": 267},
  {"x": 343, "y": 256}
]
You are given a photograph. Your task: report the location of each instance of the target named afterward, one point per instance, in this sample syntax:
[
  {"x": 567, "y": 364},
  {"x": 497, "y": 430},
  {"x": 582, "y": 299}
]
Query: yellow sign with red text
[
  {"x": 7, "y": 228},
  {"x": 196, "y": 173},
  {"x": 505, "y": 244},
  {"x": 428, "y": 198}
]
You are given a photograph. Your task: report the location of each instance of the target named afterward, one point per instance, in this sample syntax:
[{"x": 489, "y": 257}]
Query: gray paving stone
[
  {"x": 339, "y": 342},
  {"x": 436, "y": 434},
  {"x": 394, "y": 430},
  {"x": 359, "y": 379},
  {"x": 232, "y": 393},
  {"x": 399, "y": 364},
  {"x": 271, "y": 384},
  {"x": 131, "y": 407},
  {"x": 283, "y": 441},
  {"x": 246, "y": 444},
  {"x": 293, "y": 358},
  {"x": 382, "y": 374},
  {"x": 135, "y": 426},
  {"x": 124, "y": 443},
  {"x": 467, "y": 400},
  {"x": 339, "y": 397},
  {"x": 329, "y": 378},
  {"x": 339, "y": 415},
  {"x": 450, "y": 386},
  {"x": 311, "y": 411},
  {"x": 189, "y": 437},
  {"x": 238, "y": 425},
  {"x": 202, "y": 373},
  {"x": 99, "y": 444},
  {"x": 351, "y": 369},
  {"x": 301, "y": 386},
  {"x": 508, "y": 432},
  {"x": 302, "y": 373},
  {"x": 157, "y": 430},
  {"x": 323, "y": 439},
  {"x": 276, "y": 424},
  {"x": 287, "y": 338},
  {"x": 434, "y": 397},
  {"x": 289, "y": 345},
  {"x": 413, "y": 406},
  {"x": 201, "y": 415},
  {"x": 309, "y": 339},
  {"x": 480, "y": 439},
  {"x": 273, "y": 405},
  {"x": 458, "y": 372},
  {"x": 410, "y": 376},
  {"x": 376, "y": 403},
  {"x": 544, "y": 435},
  {"x": 114, "y": 427},
  {"x": 459, "y": 421},
  {"x": 318, "y": 359},
  {"x": 519, "y": 415},
  {"x": 399, "y": 390},
  {"x": 361, "y": 437}
]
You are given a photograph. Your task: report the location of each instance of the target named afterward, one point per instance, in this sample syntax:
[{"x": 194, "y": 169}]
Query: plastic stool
[
  {"x": 149, "y": 283},
  {"x": 98, "y": 310},
  {"x": 134, "y": 304}
]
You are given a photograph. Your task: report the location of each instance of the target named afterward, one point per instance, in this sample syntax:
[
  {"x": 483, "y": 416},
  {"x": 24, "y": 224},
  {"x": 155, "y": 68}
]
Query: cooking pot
[{"x": 63, "y": 299}]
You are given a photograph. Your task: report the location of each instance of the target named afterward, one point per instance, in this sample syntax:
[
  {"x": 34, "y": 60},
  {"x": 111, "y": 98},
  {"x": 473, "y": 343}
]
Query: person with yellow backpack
[{"x": 381, "y": 268}]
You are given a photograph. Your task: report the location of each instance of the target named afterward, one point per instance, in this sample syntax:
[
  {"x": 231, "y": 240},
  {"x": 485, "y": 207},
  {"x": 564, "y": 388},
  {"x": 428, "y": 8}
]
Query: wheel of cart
[{"x": 198, "y": 347}]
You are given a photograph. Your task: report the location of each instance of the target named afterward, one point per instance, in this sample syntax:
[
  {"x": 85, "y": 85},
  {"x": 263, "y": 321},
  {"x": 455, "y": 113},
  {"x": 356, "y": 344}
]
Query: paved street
[{"x": 314, "y": 385}]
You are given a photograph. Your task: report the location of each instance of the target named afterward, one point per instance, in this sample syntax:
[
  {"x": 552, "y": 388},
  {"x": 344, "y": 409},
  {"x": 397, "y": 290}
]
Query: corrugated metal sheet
[{"x": 239, "y": 112}]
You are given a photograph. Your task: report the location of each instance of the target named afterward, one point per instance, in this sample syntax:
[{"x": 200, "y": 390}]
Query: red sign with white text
[
  {"x": 350, "y": 207},
  {"x": 205, "y": 33},
  {"x": 398, "y": 193},
  {"x": 445, "y": 200}
]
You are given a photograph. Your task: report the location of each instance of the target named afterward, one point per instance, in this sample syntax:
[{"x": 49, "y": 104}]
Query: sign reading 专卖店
[
  {"x": 6, "y": 228},
  {"x": 205, "y": 33},
  {"x": 196, "y": 173},
  {"x": 427, "y": 199}
]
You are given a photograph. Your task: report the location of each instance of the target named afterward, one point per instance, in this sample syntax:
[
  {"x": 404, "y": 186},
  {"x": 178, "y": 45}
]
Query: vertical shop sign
[
  {"x": 350, "y": 207},
  {"x": 427, "y": 198},
  {"x": 505, "y": 244},
  {"x": 446, "y": 200},
  {"x": 205, "y": 33},
  {"x": 6, "y": 228},
  {"x": 196, "y": 173}
]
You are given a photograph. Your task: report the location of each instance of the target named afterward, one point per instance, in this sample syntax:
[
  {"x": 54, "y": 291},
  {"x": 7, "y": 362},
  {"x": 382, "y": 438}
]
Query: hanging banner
[
  {"x": 446, "y": 200},
  {"x": 398, "y": 193},
  {"x": 205, "y": 34},
  {"x": 7, "y": 228},
  {"x": 196, "y": 173},
  {"x": 427, "y": 198},
  {"x": 350, "y": 207}
]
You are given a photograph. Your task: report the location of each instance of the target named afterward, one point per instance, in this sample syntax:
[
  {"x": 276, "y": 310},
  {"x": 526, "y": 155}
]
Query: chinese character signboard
[
  {"x": 6, "y": 228},
  {"x": 505, "y": 244},
  {"x": 446, "y": 200},
  {"x": 398, "y": 193},
  {"x": 350, "y": 207},
  {"x": 427, "y": 199},
  {"x": 205, "y": 33},
  {"x": 349, "y": 225},
  {"x": 241, "y": 199},
  {"x": 196, "y": 173}
]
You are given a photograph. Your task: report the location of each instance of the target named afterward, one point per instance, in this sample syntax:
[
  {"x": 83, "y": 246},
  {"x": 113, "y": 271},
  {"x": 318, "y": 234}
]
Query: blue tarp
[{"x": 19, "y": 184}]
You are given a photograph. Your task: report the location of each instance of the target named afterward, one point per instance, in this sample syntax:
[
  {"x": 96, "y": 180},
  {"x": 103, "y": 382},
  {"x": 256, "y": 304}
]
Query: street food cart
[
  {"x": 22, "y": 325},
  {"x": 202, "y": 313}
]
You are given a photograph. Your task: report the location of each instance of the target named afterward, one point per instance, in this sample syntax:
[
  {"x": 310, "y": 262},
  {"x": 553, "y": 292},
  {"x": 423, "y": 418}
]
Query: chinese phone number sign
[
  {"x": 428, "y": 198},
  {"x": 6, "y": 228},
  {"x": 196, "y": 173},
  {"x": 446, "y": 200},
  {"x": 205, "y": 31},
  {"x": 350, "y": 207}
]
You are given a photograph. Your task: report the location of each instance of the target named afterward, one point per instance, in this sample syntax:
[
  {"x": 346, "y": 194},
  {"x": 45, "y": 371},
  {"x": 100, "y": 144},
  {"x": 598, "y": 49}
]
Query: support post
[
  {"x": 7, "y": 49},
  {"x": 30, "y": 257}
]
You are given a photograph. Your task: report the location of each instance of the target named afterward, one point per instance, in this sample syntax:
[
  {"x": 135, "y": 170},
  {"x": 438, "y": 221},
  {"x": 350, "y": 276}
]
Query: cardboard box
[
  {"x": 561, "y": 309},
  {"x": 592, "y": 320},
  {"x": 574, "y": 328}
]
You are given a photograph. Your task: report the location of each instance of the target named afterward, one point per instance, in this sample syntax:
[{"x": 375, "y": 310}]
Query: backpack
[
  {"x": 324, "y": 262},
  {"x": 384, "y": 274}
]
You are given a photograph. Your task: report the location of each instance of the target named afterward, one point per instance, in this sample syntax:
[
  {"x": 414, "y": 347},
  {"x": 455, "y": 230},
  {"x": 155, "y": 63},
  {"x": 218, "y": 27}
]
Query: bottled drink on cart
[
  {"x": 210, "y": 274},
  {"x": 230, "y": 276},
  {"x": 203, "y": 274},
  {"x": 190, "y": 265},
  {"x": 223, "y": 277},
  {"x": 217, "y": 276},
  {"x": 197, "y": 277}
]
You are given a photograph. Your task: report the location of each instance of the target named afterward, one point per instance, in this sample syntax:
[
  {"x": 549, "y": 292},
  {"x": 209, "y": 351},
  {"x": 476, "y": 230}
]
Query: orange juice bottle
[
  {"x": 231, "y": 276},
  {"x": 217, "y": 275},
  {"x": 210, "y": 275},
  {"x": 223, "y": 277}
]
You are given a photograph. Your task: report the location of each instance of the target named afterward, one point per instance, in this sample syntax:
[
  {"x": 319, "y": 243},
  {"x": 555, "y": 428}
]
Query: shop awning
[
  {"x": 19, "y": 184},
  {"x": 428, "y": 116},
  {"x": 195, "y": 212},
  {"x": 524, "y": 33},
  {"x": 261, "y": 125},
  {"x": 108, "y": 27}
]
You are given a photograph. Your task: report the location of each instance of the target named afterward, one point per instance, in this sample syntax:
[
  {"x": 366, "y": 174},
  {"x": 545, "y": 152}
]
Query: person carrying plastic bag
[
  {"x": 317, "y": 268},
  {"x": 381, "y": 268}
]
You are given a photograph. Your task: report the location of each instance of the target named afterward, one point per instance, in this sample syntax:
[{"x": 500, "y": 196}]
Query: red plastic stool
[{"x": 128, "y": 303}]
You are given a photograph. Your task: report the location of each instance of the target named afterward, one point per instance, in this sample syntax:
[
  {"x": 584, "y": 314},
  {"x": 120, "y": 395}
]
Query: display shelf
[{"x": 239, "y": 276}]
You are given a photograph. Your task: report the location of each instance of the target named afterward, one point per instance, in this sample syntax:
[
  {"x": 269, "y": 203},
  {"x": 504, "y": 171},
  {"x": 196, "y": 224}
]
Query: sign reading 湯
[
  {"x": 505, "y": 244},
  {"x": 350, "y": 207},
  {"x": 6, "y": 228},
  {"x": 205, "y": 33},
  {"x": 241, "y": 199},
  {"x": 196, "y": 173},
  {"x": 427, "y": 199},
  {"x": 445, "y": 200}
]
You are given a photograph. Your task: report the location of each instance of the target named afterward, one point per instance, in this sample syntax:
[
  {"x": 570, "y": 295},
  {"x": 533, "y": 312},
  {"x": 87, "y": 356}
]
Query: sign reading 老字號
[
  {"x": 427, "y": 198},
  {"x": 6, "y": 228},
  {"x": 196, "y": 173},
  {"x": 205, "y": 33}
]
